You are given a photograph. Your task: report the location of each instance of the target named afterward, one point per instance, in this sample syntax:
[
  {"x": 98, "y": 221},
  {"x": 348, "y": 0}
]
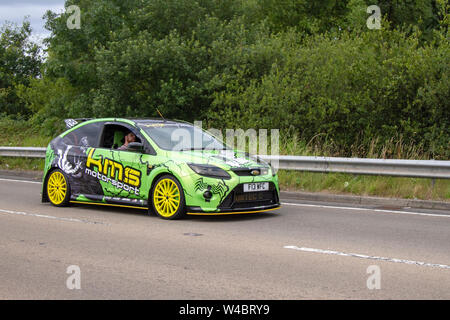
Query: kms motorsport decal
[{"x": 113, "y": 172}]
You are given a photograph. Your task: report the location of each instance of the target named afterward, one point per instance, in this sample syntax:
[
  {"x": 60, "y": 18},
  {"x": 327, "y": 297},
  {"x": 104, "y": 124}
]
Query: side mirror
[{"x": 135, "y": 146}]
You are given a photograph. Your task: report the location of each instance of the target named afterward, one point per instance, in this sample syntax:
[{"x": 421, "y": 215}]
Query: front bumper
[
  {"x": 198, "y": 211},
  {"x": 240, "y": 202}
]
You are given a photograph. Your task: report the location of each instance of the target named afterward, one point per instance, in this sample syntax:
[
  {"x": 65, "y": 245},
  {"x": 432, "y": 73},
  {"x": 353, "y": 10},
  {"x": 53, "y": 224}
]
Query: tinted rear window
[{"x": 85, "y": 136}]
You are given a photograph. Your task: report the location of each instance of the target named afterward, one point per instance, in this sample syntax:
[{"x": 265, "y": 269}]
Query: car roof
[
  {"x": 157, "y": 120},
  {"x": 70, "y": 123}
]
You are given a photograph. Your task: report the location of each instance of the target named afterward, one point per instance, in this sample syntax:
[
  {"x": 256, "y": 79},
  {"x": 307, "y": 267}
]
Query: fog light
[{"x": 207, "y": 194}]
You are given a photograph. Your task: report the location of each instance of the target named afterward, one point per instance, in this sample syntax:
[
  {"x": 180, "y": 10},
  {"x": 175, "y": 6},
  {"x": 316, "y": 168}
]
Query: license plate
[{"x": 256, "y": 186}]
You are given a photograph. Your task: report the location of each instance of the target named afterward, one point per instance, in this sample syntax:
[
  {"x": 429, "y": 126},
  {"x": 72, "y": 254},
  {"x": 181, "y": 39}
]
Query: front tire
[
  {"x": 58, "y": 188},
  {"x": 168, "y": 198}
]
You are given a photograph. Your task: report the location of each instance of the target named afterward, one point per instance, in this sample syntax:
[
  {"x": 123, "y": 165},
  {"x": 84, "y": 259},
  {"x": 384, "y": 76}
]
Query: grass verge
[
  {"x": 377, "y": 186},
  {"x": 20, "y": 133},
  {"x": 21, "y": 164}
]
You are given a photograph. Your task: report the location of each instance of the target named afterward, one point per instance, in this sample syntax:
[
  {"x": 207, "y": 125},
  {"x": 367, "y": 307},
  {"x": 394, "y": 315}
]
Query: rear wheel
[
  {"x": 168, "y": 198},
  {"x": 58, "y": 189}
]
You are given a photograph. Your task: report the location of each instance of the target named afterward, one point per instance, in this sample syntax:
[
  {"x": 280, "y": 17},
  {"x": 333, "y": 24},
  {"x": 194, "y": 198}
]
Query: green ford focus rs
[{"x": 171, "y": 168}]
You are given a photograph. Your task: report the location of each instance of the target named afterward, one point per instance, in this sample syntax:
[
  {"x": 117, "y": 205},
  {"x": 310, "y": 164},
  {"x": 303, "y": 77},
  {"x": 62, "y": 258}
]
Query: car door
[{"x": 122, "y": 171}]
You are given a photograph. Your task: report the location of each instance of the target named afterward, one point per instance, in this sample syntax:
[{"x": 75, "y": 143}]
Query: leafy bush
[
  {"x": 349, "y": 90},
  {"x": 309, "y": 68}
]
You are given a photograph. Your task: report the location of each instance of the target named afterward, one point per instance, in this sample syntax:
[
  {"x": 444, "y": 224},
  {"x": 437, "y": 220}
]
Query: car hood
[{"x": 225, "y": 159}]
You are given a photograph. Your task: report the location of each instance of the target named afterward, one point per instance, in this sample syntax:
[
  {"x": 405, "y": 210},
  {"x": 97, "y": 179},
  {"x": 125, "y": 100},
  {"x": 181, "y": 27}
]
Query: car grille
[
  {"x": 238, "y": 199},
  {"x": 244, "y": 172}
]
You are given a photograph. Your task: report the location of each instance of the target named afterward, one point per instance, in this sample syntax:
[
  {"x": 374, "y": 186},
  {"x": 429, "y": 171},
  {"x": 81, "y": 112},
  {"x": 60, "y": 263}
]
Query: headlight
[{"x": 208, "y": 170}]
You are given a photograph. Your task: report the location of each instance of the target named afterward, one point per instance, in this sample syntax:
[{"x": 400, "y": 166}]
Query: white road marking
[
  {"x": 25, "y": 181},
  {"x": 47, "y": 216},
  {"x": 366, "y": 209},
  {"x": 363, "y": 256}
]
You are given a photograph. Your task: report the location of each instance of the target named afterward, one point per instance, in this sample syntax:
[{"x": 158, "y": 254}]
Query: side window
[
  {"x": 114, "y": 136},
  {"x": 84, "y": 136}
]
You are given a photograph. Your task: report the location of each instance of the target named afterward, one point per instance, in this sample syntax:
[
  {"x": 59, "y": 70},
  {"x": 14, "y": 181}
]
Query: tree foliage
[
  {"x": 19, "y": 60},
  {"x": 312, "y": 67}
]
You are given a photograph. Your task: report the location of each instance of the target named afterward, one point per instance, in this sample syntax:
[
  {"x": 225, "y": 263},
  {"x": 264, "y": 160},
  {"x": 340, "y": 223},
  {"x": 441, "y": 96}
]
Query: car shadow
[
  {"x": 233, "y": 217},
  {"x": 200, "y": 218},
  {"x": 111, "y": 209}
]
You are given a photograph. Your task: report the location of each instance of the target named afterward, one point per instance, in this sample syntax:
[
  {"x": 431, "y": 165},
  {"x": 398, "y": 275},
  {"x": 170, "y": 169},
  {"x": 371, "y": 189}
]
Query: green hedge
[
  {"x": 310, "y": 68},
  {"x": 349, "y": 90}
]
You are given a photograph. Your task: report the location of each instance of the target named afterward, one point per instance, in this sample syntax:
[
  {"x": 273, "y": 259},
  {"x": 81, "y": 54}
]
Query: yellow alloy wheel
[
  {"x": 57, "y": 187},
  {"x": 166, "y": 198}
]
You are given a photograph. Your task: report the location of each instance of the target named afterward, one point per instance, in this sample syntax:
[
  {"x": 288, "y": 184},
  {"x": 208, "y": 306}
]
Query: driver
[{"x": 130, "y": 137}]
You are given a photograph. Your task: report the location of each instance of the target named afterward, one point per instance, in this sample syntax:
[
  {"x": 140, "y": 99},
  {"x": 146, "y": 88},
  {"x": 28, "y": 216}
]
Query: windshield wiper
[
  {"x": 190, "y": 149},
  {"x": 203, "y": 149}
]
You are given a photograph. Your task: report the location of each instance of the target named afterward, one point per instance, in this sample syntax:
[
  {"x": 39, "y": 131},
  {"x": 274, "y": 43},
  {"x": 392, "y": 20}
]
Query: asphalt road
[{"x": 301, "y": 251}]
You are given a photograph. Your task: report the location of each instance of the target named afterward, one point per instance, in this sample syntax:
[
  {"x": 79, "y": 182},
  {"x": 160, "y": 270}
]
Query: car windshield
[{"x": 181, "y": 137}]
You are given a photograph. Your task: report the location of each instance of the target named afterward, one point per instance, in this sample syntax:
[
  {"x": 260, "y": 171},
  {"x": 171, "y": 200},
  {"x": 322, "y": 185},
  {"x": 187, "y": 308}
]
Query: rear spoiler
[{"x": 70, "y": 123}]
